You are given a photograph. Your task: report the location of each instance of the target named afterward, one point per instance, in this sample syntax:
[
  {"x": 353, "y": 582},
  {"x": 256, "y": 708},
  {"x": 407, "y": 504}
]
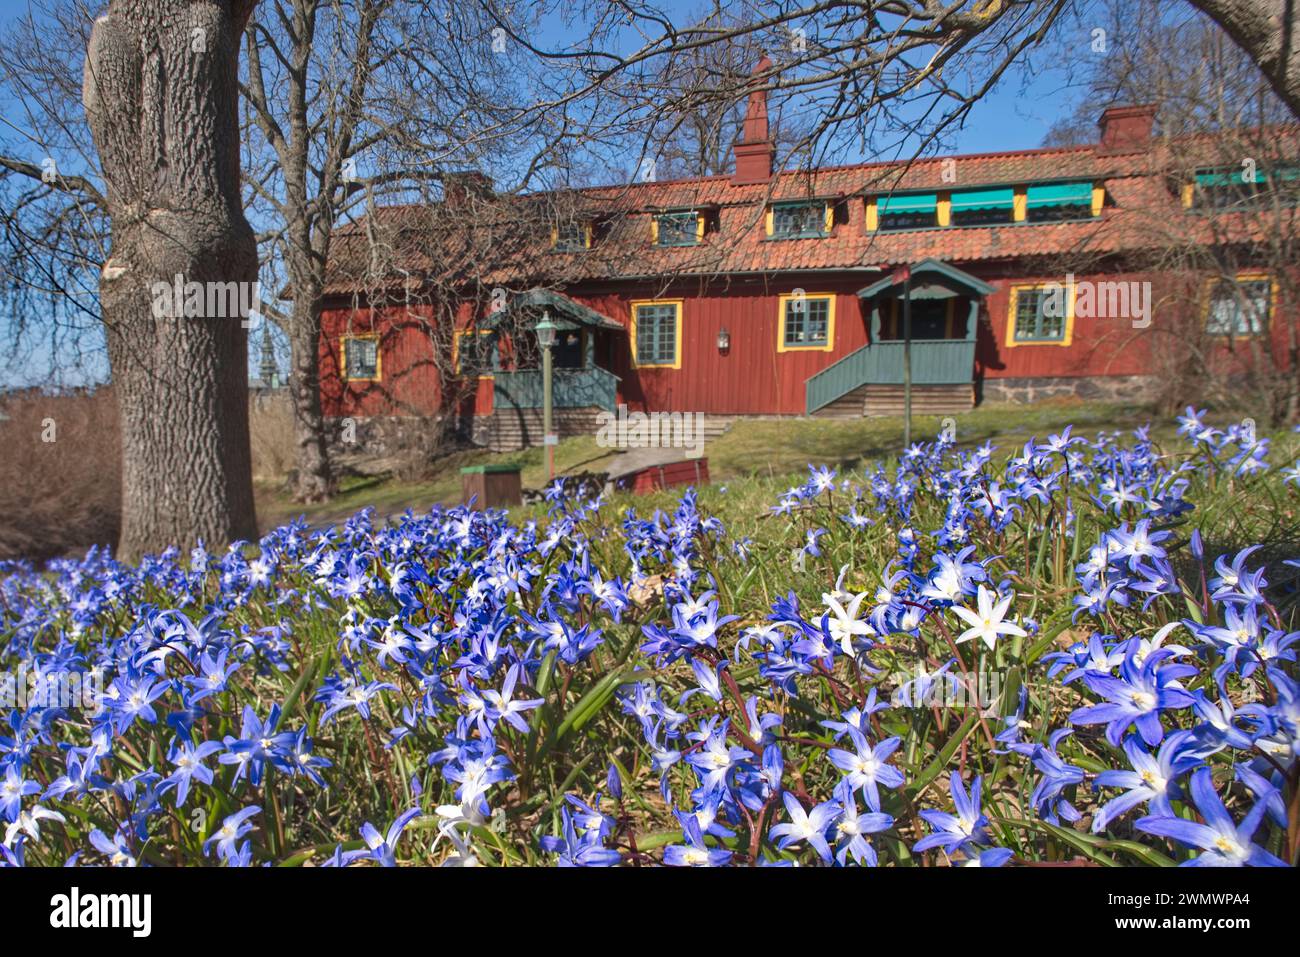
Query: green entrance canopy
[{"x": 565, "y": 313}]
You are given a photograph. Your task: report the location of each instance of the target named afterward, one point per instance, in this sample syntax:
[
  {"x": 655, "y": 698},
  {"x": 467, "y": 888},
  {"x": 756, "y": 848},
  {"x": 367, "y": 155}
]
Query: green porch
[
  {"x": 577, "y": 381},
  {"x": 945, "y": 304}
]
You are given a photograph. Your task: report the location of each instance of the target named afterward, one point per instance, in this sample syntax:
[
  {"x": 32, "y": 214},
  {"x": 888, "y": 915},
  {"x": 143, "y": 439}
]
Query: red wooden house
[{"x": 777, "y": 293}]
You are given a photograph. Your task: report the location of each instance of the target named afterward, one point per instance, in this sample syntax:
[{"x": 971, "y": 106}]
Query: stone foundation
[
  {"x": 380, "y": 436},
  {"x": 1029, "y": 389}
]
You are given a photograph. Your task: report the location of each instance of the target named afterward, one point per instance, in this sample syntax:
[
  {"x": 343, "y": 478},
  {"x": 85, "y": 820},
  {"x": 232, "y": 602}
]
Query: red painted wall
[
  {"x": 753, "y": 378},
  {"x": 410, "y": 382},
  {"x": 1098, "y": 346}
]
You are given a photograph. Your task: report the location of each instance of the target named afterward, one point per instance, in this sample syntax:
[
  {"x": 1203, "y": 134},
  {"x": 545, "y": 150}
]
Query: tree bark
[
  {"x": 1265, "y": 29},
  {"x": 314, "y": 481},
  {"x": 160, "y": 93}
]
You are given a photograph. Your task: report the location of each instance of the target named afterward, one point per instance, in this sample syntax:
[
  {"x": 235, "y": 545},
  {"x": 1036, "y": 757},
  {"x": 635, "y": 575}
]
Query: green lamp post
[{"x": 546, "y": 339}]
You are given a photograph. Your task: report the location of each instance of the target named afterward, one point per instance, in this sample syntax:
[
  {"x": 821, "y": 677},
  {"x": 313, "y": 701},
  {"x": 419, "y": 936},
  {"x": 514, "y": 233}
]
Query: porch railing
[
  {"x": 934, "y": 362},
  {"x": 571, "y": 389}
]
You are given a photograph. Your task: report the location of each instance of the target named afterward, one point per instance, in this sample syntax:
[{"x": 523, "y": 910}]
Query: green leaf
[
  {"x": 922, "y": 780},
  {"x": 1092, "y": 845},
  {"x": 591, "y": 703}
]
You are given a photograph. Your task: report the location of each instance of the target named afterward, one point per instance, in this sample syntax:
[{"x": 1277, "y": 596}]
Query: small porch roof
[
  {"x": 565, "y": 313},
  {"x": 931, "y": 279}
]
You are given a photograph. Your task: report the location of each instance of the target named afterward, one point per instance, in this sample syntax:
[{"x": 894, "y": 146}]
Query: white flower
[
  {"x": 29, "y": 823},
  {"x": 843, "y": 624},
  {"x": 987, "y": 623}
]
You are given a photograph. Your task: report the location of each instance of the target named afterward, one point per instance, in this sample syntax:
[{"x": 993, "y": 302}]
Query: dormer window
[
  {"x": 993, "y": 206},
  {"x": 570, "y": 236},
  {"x": 801, "y": 220},
  {"x": 907, "y": 211},
  {"x": 1055, "y": 202},
  {"x": 678, "y": 228},
  {"x": 1241, "y": 186}
]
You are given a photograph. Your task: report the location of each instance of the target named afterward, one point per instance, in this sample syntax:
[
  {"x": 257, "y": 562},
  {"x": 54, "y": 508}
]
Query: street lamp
[{"x": 546, "y": 339}]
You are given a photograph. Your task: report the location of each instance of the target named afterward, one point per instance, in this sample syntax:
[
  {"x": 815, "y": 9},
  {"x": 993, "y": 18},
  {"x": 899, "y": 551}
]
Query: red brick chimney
[
  {"x": 461, "y": 187},
  {"x": 1126, "y": 129},
  {"x": 755, "y": 152}
]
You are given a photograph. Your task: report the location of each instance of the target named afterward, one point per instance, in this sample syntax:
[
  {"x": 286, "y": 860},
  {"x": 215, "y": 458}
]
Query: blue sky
[{"x": 1016, "y": 115}]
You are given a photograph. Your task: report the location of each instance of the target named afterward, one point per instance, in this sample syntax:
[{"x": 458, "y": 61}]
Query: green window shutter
[
  {"x": 907, "y": 203},
  {"x": 1002, "y": 197},
  {"x": 1227, "y": 176},
  {"x": 1059, "y": 194}
]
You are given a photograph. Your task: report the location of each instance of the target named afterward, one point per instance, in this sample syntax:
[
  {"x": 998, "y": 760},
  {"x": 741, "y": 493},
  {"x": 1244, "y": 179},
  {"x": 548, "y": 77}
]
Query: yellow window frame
[
  {"x": 343, "y": 359},
  {"x": 785, "y": 298},
  {"x": 455, "y": 348},
  {"x": 677, "y": 305},
  {"x": 654, "y": 230},
  {"x": 1013, "y": 297},
  {"x": 555, "y": 237},
  {"x": 1274, "y": 289}
]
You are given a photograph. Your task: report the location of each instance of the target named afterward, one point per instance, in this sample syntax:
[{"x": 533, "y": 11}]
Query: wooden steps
[{"x": 883, "y": 400}]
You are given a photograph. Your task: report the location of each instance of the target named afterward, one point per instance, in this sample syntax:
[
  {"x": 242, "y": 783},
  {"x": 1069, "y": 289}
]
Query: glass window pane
[
  {"x": 362, "y": 356},
  {"x": 798, "y": 219},
  {"x": 806, "y": 322},
  {"x": 656, "y": 335},
  {"x": 677, "y": 229}
]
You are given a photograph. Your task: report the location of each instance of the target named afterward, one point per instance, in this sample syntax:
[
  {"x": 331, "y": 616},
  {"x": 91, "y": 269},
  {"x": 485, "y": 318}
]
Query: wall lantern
[{"x": 724, "y": 340}]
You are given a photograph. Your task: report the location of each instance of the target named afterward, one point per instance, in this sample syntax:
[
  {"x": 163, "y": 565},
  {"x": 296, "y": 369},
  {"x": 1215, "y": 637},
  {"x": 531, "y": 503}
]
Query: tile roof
[{"x": 506, "y": 239}]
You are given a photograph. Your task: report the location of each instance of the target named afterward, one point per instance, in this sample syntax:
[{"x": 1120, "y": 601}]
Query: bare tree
[
  {"x": 1221, "y": 237},
  {"x": 1267, "y": 31},
  {"x": 53, "y": 221},
  {"x": 1172, "y": 57}
]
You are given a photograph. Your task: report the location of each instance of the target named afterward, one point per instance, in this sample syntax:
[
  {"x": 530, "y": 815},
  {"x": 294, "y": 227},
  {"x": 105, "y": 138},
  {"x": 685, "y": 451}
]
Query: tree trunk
[
  {"x": 1267, "y": 31},
  {"x": 160, "y": 92},
  {"x": 314, "y": 481}
]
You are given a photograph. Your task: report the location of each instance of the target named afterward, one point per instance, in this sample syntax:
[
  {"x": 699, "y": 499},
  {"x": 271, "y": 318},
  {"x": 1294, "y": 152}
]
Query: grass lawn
[{"x": 772, "y": 449}]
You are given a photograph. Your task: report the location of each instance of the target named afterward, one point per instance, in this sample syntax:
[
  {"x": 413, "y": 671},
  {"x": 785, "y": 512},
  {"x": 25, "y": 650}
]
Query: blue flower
[
  {"x": 1151, "y": 780},
  {"x": 383, "y": 848},
  {"x": 188, "y": 759},
  {"x": 1139, "y": 696},
  {"x": 1223, "y": 842},
  {"x": 695, "y": 853},
  {"x": 865, "y": 766},
  {"x": 232, "y": 829},
  {"x": 807, "y": 826},
  {"x": 954, "y": 832}
]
